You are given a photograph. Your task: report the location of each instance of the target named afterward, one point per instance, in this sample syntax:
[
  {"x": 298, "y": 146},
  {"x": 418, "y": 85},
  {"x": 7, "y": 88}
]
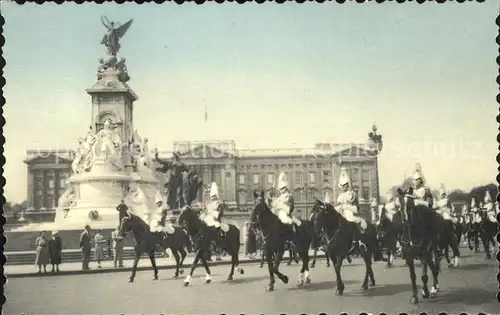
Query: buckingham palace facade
[{"x": 310, "y": 172}]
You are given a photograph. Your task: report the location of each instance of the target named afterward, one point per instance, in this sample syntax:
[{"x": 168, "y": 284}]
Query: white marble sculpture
[{"x": 138, "y": 202}]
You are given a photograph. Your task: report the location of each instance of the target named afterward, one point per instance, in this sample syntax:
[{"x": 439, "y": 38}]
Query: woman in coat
[
  {"x": 55, "y": 250},
  {"x": 99, "y": 247},
  {"x": 42, "y": 252}
]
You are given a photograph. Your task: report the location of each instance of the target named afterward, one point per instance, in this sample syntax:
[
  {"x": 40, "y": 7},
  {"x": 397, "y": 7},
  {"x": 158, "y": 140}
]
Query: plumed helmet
[
  {"x": 327, "y": 197},
  {"x": 282, "y": 182},
  {"x": 214, "y": 190},
  {"x": 487, "y": 197},
  {"x": 343, "y": 178}
]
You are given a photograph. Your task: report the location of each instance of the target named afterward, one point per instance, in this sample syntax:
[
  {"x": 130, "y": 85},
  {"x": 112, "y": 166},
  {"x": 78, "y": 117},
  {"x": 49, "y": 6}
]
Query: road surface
[{"x": 472, "y": 288}]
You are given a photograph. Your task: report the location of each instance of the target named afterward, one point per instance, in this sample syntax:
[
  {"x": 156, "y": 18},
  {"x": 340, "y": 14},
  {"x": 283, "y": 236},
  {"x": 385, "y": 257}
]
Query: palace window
[
  {"x": 298, "y": 178},
  {"x": 49, "y": 202},
  {"x": 366, "y": 193},
  {"x": 241, "y": 179},
  {"x": 38, "y": 199},
  {"x": 39, "y": 180},
  {"x": 297, "y": 195},
  {"x": 366, "y": 174},
  {"x": 312, "y": 177},
  {"x": 228, "y": 174},
  {"x": 326, "y": 173},
  {"x": 270, "y": 178},
  {"x": 242, "y": 197},
  {"x": 255, "y": 179}
]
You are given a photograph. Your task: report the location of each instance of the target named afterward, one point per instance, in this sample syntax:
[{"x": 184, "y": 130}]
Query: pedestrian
[
  {"x": 42, "y": 252},
  {"x": 55, "y": 250},
  {"x": 99, "y": 242},
  {"x": 85, "y": 247},
  {"x": 117, "y": 247}
]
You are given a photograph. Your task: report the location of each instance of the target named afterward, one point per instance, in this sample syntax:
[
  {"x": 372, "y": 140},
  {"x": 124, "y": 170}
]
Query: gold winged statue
[{"x": 115, "y": 31}]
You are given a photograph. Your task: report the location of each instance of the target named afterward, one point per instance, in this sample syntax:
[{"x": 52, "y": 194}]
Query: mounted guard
[
  {"x": 421, "y": 193},
  {"x": 163, "y": 224},
  {"x": 212, "y": 214},
  {"x": 347, "y": 204},
  {"x": 391, "y": 207},
  {"x": 474, "y": 212},
  {"x": 443, "y": 205},
  {"x": 284, "y": 204},
  {"x": 373, "y": 210},
  {"x": 489, "y": 208}
]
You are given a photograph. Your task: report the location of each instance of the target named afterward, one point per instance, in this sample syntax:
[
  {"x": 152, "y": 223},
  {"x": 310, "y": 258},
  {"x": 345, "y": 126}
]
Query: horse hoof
[
  {"x": 450, "y": 265},
  {"x": 186, "y": 284},
  {"x": 241, "y": 271},
  {"x": 300, "y": 283},
  {"x": 372, "y": 283},
  {"x": 327, "y": 265},
  {"x": 229, "y": 278},
  {"x": 155, "y": 278},
  {"x": 311, "y": 266},
  {"x": 339, "y": 292},
  {"x": 389, "y": 265},
  {"x": 270, "y": 288},
  {"x": 208, "y": 280},
  {"x": 176, "y": 275},
  {"x": 425, "y": 294},
  {"x": 364, "y": 287},
  {"x": 308, "y": 281},
  {"x": 181, "y": 271},
  {"x": 131, "y": 280},
  {"x": 414, "y": 300},
  {"x": 285, "y": 279},
  {"x": 288, "y": 263},
  {"x": 261, "y": 266}
]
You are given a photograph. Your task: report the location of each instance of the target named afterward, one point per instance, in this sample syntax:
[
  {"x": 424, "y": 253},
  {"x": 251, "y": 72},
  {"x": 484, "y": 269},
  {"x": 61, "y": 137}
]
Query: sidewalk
[{"x": 75, "y": 268}]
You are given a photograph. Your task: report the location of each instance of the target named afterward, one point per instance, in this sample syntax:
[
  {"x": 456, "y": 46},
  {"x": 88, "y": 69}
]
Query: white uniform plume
[
  {"x": 346, "y": 202},
  {"x": 283, "y": 203},
  {"x": 212, "y": 207}
]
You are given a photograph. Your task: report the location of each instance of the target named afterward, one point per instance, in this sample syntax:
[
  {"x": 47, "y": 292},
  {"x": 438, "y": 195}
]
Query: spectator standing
[
  {"x": 99, "y": 242},
  {"x": 85, "y": 247},
  {"x": 117, "y": 247},
  {"x": 42, "y": 252},
  {"x": 55, "y": 250}
]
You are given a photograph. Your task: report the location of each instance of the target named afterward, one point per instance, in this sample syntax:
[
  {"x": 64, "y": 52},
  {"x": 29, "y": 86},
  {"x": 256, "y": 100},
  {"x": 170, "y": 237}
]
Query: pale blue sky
[{"x": 271, "y": 75}]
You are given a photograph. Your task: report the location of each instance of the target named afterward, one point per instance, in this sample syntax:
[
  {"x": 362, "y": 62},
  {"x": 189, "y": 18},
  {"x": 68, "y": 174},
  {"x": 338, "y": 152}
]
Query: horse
[
  {"x": 341, "y": 242},
  {"x": 203, "y": 236},
  {"x": 448, "y": 238},
  {"x": 145, "y": 241},
  {"x": 420, "y": 228},
  {"x": 391, "y": 231},
  {"x": 472, "y": 231},
  {"x": 487, "y": 233},
  {"x": 148, "y": 242},
  {"x": 276, "y": 234},
  {"x": 318, "y": 242}
]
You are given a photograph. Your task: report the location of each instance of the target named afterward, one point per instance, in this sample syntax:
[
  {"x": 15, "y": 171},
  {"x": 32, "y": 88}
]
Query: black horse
[
  {"x": 148, "y": 242},
  {"x": 319, "y": 242},
  {"x": 420, "y": 230},
  {"x": 448, "y": 238},
  {"x": 276, "y": 234},
  {"x": 390, "y": 231},
  {"x": 341, "y": 242},
  {"x": 487, "y": 233},
  {"x": 203, "y": 238}
]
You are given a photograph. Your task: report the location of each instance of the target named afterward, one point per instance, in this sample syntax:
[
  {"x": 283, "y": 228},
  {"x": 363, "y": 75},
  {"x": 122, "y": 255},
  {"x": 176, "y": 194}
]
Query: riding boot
[{"x": 359, "y": 236}]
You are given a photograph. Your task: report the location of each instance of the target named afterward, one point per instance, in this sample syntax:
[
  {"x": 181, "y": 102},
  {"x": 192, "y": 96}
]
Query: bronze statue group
[{"x": 423, "y": 228}]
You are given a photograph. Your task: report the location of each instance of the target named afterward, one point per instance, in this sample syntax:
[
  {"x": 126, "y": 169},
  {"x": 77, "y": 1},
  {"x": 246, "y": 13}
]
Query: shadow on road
[
  {"x": 323, "y": 285},
  {"x": 186, "y": 272},
  {"x": 465, "y": 296},
  {"x": 385, "y": 290},
  {"x": 245, "y": 280},
  {"x": 471, "y": 267}
]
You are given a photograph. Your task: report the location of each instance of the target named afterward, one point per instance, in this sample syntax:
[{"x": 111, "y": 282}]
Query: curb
[{"x": 125, "y": 269}]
